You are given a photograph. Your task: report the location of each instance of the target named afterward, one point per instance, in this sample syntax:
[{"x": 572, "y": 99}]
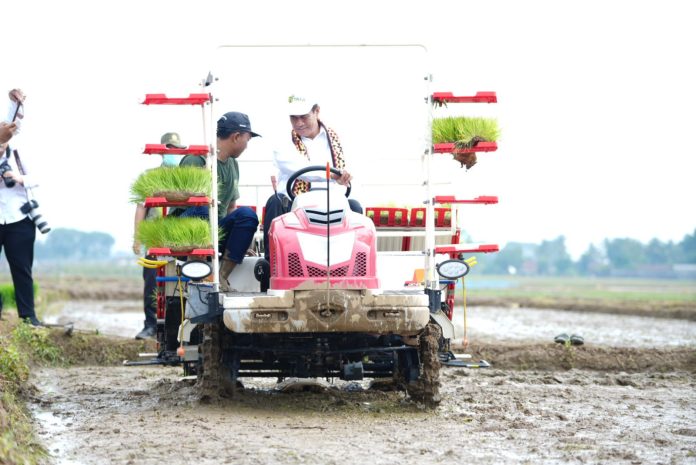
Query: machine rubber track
[
  {"x": 426, "y": 388},
  {"x": 213, "y": 377}
]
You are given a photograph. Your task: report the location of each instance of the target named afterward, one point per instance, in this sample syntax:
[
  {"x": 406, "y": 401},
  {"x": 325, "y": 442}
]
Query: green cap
[{"x": 172, "y": 140}]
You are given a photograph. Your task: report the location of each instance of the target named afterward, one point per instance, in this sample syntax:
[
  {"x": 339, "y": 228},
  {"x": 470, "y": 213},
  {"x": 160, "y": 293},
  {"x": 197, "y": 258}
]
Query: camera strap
[{"x": 20, "y": 167}]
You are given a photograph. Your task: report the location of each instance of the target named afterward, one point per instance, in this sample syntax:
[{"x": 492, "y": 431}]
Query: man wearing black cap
[{"x": 239, "y": 224}]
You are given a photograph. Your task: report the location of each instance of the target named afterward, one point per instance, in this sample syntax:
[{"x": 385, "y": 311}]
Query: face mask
[{"x": 171, "y": 160}]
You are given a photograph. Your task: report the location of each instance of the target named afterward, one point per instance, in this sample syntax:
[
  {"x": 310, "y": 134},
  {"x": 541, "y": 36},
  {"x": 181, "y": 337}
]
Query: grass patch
[
  {"x": 185, "y": 179},
  {"x": 37, "y": 344},
  {"x": 99, "y": 350},
  {"x": 174, "y": 232},
  {"x": 465, "y": 131},
  {"x": 7, "y": 294},
  {"x": 18, "y": 444},
  {"x": 13, "y": 365},
  {"x": 21, "y": 347}
]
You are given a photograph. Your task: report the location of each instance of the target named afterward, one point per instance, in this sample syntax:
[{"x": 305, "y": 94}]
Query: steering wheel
[{"x": 307, "y": 169}]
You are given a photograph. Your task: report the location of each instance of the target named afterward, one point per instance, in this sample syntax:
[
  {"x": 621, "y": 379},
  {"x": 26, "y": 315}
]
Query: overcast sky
[{"x": 596, "y": 100}]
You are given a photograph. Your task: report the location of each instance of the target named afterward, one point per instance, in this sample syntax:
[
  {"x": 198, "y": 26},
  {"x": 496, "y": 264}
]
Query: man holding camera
[{"x": 17, "y": 229}]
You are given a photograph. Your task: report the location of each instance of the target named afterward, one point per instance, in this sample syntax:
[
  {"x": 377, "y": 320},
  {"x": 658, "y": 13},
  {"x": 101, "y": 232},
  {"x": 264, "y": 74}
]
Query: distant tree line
[
  {"x": 614, "y": 257},
  {"x": 73, "y": 245}
]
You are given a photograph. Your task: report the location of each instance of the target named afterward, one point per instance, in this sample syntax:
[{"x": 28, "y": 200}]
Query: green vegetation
[
  {"x": 22, "y": 347},
  {"x": 174, "y": 232},
  {"x": 36, "y": 343},
  {"x": 465, "y": 131},
  {"x": 185, "y": 179},
  {"x": 13, "y": 365},
  {"x": 71, "y": 244},
  {"x": 19, "y": 348},
  {"x": 623, "y": 257},
  {"x": 18, "y": 444},
  {"x": 7, "y": 294}
]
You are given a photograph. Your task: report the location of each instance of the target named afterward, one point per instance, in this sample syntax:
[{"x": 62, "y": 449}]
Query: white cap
[{"x": 300, "y": 104}]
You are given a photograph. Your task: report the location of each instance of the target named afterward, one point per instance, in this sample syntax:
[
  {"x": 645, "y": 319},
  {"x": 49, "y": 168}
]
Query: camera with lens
[
  {"x": 4, "y": 168},
  {"x": 31, "y": 208}
]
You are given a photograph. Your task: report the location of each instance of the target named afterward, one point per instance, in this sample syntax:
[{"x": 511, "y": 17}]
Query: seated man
[
  {"x": 310, "y": 142},
  {"x": 239, "y": 224}
]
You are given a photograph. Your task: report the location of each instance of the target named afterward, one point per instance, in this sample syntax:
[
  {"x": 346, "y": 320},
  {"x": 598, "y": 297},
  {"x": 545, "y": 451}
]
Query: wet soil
[
  {"x": 627, "y": 396},
  {"x": 92, "y": 415},
  {"x": 671, "y": 310},
  {"x": 94, "y": 288}
]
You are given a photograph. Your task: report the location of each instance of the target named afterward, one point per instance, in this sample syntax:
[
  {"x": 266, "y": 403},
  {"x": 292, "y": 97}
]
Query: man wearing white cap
[{"x": 314, "y": 144}]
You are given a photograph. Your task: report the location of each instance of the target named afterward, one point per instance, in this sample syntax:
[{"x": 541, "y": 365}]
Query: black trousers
[
  {"x": 149, "y": 297},
  {"x": 280, "y": 204},
  {"x": 18, "y": 240}
]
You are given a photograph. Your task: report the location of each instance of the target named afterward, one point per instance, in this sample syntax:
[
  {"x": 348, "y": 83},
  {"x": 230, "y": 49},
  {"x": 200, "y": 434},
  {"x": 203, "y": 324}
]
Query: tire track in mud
[{"x": 92, "y": 415}]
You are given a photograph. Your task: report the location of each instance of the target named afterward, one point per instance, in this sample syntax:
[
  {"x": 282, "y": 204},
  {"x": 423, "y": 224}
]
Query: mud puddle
[
  {"x": 150, "y": 416},
  {"x": 111, "y": 317}
]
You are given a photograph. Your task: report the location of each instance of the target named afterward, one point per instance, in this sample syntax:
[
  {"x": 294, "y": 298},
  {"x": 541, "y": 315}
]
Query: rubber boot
[{"x": 226, "y": 267}]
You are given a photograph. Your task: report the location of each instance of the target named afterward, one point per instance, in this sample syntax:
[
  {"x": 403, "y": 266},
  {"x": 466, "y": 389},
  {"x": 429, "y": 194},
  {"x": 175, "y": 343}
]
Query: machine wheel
[
  {"x": 426, "y": 388},
  {"x": 214, "y": 378}
]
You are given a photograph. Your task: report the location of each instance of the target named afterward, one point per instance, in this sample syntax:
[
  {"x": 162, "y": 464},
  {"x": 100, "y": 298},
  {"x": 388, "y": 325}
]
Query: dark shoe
[
  {"x": 562, "y": 339},
  {"x": 32, "y": 320},
  {"x": 148, "y": 332},
  {"x": 576, "y": 340}
]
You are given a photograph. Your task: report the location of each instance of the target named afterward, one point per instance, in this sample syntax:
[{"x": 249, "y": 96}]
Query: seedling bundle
[
  {"x": 465, "y": 133},
  {"x": 175, "y": 233},
  {"x": 175, "y": 184}
]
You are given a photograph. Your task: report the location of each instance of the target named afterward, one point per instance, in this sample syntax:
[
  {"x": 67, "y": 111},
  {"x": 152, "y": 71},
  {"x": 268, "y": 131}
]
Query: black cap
[{"x": 235, "y": 122}]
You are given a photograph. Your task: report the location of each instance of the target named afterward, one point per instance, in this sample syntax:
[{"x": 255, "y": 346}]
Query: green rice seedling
[
  {"x": 465, "y": 132},
  {"x": 190, "y": 180},
  {"x": 176, "y": 233}
]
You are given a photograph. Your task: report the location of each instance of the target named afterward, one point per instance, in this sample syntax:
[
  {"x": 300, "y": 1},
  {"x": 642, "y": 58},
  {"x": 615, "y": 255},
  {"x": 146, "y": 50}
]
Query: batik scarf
[{"x": 301, "y": 186}]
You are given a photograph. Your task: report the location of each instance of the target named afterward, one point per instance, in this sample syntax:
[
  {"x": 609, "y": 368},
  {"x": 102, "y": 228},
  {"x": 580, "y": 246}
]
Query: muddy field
[
  {"x": 627, "y": 396},
  {"x": 94, "y": 415}
]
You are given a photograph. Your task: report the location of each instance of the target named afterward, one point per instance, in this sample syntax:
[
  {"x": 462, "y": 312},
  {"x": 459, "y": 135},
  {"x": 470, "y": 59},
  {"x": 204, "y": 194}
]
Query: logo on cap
[{"x": 295, "y": 98}]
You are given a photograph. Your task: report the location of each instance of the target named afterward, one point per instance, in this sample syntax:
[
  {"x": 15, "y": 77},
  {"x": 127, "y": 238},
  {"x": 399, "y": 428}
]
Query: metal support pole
[{"x": 210, "y": 140}]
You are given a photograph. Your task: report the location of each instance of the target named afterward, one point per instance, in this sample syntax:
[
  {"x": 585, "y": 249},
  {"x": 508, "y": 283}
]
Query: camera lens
[{"x": 43, "y": 227}]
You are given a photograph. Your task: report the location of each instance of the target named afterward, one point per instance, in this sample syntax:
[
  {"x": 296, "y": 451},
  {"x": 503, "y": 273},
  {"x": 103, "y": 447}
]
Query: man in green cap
[{"x": 172, "y": 141}]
